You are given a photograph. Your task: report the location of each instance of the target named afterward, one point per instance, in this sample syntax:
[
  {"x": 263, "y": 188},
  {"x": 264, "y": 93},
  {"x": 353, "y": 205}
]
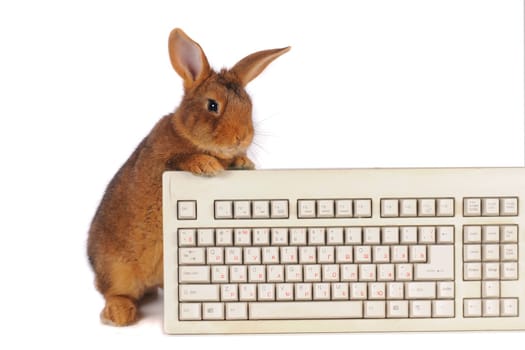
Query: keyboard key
[
  {"x": 261, "y": 209},
  {"x": 279, "y": 209},
  {"x": 294, "y": 273},
  {"x": 248, "y": 292},
  {"x": 472, "y": 252},
  {"x": 353, "y": 235},
  {"x": 307, "y": 255},
  {"x": 305, "y": 310},
  {"x": 229, "y": 292},
  {"x": 389, "y": 208},
  {"x": 490, "y": 289},
  {"x": 194, "y": 274},
  {"x": 420, "y": 309},
  {"x": 219, "y": 274},
  {"x": 490, "y": 307},
  {"x": 236, "y": 311},
  {"x": 242, "y": 236},
  {"x": 325, "y": 254},
  {"x": 306, "y": 208},
  {"x": 321, "y": 291},
  {"x": 362, "y": 208},
  {"x": 199, "y": 292},
  {"x": 390, "y": 235},
  {"x": 371, "y": 235},
  {"x": 189, "y": 311},
  {"x": 376, "y": 290},
  {"x": 509, "y": 206},
  {"x": 509, "y": 271},
  {"x": 509, "y": 307},
  {"x": 426, "y": 207},
  {"x": 509, "y": 234},
  {"x": 491, "y": 271},
  {"x": 340, "y": 291},
  {"x": 443, "y": 308},
  {"x": 186, "y": 237},
  {"x": 297, "y": 236},
  {"x": 490, "y": 233},
  {"x": 408, "y": 234},
  {"x": 395, "y": 290},
  {"x": 358, "y": 291},
  {"x": 472, "y": 234},
  {"x": 325, "y": 208},
  {"x": 471, "y": 206},
  {"x": 303, "y": 291},
  {"x": 213, "y": 311},
  {"x": 284, "y": 291},
  {"x": 279, "y": 236},
  {"x": 224, "y": 236},
  {"x": 439, "y": 266},
  {"x": 362, "y": 254},
  {"x": 374, "y": 309},
  {"x": 445, "y": 234},
  {"x": 490, "y": 206},
  {"x": 408, "y": 207},
  {"x": 270, "y": 255},
  {"x": 223, "y": 209},
  {"x": 445, "y": 207},
  {"x": 343, "y": 208},
  {"x": 399, "y": 253},
  {"x": 330, "y": 273},
  {"x": 420, "y": 290},
  {"x": 191, "y": 256},
  {"x": 187, "y": 210},
  {"x": 205, "y": 237},
  {"x": 509, "y": 252},
  {"x": 349, "y": 272},
  {"x": 242, "y": 209},
  {"x": 215, "y": 255},
  {"x": 257, "y": 273},
  {"x": 427, "y": 234},
  {"x": 265, "y": 291},
  {"x": 490, "y": 252},
  {"x": 334, "y": 235},
  {"x": 316, "y": 236},
  {"x": 288, "y": 255},
  {"x": 472, "y": 308},
  {"x": 397, "y": 309},
  {"x": 445, "y": 290},
  {"x": 472, "y": 271},
  {"x": 261, "y": 236}
]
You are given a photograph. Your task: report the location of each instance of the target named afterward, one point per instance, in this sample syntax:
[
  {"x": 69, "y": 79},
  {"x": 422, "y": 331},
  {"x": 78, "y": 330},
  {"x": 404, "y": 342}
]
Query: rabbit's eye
[{"x": 213, "y": 106}]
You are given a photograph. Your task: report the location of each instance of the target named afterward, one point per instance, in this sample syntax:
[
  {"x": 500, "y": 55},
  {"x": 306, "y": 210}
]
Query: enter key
[{"x": 439, "y": 266}]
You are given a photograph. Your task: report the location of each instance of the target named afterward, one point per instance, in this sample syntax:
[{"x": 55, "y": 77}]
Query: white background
[{"x": 368, "y": 84}]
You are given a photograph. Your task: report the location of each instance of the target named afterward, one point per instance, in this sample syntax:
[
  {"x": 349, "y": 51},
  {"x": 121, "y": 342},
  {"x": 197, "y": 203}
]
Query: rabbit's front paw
[
  {"x": 205, "y": 165},
  {"x": 243, "y": 163}
]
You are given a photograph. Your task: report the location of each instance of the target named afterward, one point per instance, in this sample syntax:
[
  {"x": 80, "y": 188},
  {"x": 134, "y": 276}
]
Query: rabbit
[{"x": 210, "y": 131}]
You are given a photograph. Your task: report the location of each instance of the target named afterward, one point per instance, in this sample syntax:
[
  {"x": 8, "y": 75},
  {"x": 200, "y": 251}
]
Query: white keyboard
[{"x": 272, "y": 251}]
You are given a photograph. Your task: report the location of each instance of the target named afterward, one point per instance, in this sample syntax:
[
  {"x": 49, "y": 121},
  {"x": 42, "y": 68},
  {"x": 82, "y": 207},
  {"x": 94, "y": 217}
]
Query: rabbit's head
[{"x": 215, "y": 114}]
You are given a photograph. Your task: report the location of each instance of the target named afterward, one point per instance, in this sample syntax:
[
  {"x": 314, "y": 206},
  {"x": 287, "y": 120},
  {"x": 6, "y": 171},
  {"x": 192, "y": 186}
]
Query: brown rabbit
[{"x": 210, "y": 131}]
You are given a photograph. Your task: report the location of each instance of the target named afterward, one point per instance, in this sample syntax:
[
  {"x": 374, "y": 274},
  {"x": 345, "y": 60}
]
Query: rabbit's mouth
[{"x": 228, "y": 152}]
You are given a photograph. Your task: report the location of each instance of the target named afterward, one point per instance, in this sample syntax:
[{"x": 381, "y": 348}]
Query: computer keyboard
[{"x": 344, "y": 250}]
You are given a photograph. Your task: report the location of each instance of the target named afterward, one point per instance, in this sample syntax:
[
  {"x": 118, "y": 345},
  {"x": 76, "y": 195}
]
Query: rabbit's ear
[
  {"x": 252, "y": 65},
  {"x": 187, "y": 58}
]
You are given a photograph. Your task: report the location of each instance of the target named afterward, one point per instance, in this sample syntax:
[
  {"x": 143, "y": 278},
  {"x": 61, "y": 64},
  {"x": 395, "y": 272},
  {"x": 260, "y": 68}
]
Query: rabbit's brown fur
[{"x": 125, "y": 238}]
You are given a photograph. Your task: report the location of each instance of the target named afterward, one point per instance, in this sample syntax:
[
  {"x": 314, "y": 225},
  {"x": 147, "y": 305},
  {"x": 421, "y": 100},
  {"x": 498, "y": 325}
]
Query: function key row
[
  {"x": 251, "y": 209},
  {"x": 490, "y": 206},
  {"x": 188, "y": 237}
]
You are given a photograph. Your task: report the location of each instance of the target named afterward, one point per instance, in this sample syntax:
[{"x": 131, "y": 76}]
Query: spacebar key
[{"x": 301, "y": 310}]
